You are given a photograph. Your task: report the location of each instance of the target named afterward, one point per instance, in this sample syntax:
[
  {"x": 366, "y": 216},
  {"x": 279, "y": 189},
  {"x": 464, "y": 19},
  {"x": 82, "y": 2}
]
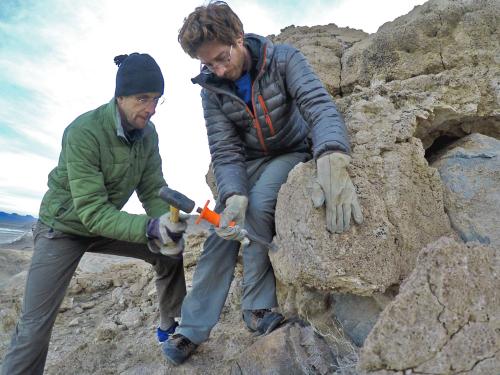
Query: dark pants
[{"x": 55, "y": 259}]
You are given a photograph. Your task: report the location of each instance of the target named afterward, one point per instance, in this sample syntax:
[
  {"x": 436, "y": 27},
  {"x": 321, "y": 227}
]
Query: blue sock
[{"x": 164, "y": 335}]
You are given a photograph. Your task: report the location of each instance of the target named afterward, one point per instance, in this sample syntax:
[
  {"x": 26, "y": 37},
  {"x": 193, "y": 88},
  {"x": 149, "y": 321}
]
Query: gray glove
[
  {"x": 173, "y": 250},
  {"x": 165, "y": 236},
  {"x": 236, "y": 206},
  {"x": 335, "y": 187}
]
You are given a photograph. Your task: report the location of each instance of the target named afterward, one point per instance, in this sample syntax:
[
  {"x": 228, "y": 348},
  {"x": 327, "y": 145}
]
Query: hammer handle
[{"x": 174, "y": 214}]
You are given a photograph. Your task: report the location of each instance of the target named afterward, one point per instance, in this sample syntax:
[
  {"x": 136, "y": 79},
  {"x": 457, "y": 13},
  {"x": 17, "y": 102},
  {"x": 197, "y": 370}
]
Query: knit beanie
[{"x": 137, "y": 73}]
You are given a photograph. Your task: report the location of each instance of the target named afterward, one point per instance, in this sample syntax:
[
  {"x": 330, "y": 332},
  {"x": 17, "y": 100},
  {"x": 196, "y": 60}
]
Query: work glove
[
  {"x": 236, "y": 206},
  {"x": 334, "y": 186},
  {"x": 174, "y": 250},
  {"x": 165, "y": 236}
]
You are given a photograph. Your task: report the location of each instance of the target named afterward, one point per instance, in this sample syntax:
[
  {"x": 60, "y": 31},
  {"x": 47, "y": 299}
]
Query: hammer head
[{"x": 176, "y": 199}]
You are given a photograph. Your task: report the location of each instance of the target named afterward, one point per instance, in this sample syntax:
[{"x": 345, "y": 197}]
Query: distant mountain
[{"x": 16, "y": 219}]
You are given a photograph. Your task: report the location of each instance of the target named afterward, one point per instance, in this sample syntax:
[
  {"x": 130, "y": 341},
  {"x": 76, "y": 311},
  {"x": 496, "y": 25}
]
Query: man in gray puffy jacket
[{"x": 262, "y": 104}]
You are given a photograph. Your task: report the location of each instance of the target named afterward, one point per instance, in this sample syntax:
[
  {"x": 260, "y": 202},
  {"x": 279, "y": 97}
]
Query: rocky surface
[
  {"x": 12, "y": 262},
  {"x": 293, "y": 349},
  {"x": 437, "y": 36},
  {"x": 446, "y": 318},
  {"x": 392, "y": 122},
  {"x": 401, "y": 106},
  {"x": 470, "y": 171},
  {"x": 368, "y": 301},
  {"x": 324, "y": 47},
  {"x": 403, "y": 208},
  {"x": 108, "y": 319},
  {"x": 396, "y": 125}
]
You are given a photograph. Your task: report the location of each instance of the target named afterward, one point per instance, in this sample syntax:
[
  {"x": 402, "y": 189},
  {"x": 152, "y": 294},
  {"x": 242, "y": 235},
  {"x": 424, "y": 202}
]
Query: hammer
[
  {"x": 214, "y": 218},
  {"x": 179, "y": 201}
]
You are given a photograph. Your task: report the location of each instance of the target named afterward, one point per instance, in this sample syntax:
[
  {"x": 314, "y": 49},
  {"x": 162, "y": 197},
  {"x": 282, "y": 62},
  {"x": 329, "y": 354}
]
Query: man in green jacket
[{"x": 107, "y": 154}]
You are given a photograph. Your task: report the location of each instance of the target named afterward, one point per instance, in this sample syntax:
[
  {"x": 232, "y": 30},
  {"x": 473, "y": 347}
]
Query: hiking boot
[
  {"x": 262, "y": 321},
  {"x": 162, "y": 335},
  {"x": 178, "y": 348}
]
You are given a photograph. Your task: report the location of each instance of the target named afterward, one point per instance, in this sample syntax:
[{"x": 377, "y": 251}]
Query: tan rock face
[
  {"x": 324, "y": 46},
  {"x": 454, "y": 103},
  {"x": 401, "y": 109},
  {"x": 402, "y": 203},
  {"x": 436, "y": 36},
  {"x": 437, "y": 67},
  {"x": 394, "y": 126},
  {"x": 446, "y": 318},
  {"x": 194, "y": 247}
]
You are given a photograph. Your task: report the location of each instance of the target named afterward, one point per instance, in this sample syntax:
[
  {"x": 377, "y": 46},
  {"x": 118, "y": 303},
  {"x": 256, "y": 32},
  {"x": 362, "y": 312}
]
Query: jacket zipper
[
  {"x": 266, "y": 114},
  {"x": 256, "y": 124},
  {"x": 254, "y": 116}
]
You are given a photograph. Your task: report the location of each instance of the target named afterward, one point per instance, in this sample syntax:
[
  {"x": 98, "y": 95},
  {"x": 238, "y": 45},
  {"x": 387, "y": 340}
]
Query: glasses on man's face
[
  {"x": 146, "y": 101},
  {"x": 221, "y": 61}
]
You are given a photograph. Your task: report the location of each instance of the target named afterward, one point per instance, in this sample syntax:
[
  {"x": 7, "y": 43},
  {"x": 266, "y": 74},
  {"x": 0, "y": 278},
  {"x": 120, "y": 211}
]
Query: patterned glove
[
  {"x": 173, "y": 250},
  {"x": 165, "y": 236}
]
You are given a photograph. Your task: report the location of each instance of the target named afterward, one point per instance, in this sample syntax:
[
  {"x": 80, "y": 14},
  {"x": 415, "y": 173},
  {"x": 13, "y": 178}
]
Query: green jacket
[{"x": 98, "y": 171}]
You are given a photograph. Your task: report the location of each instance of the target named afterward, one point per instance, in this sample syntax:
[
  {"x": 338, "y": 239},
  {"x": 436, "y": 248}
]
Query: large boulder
[
  {"x": 394, "y": 128},
  {"x": 402, "y": 202},
  {"x": 446, "y": 318},
  {"x": 470, "y": 171}
]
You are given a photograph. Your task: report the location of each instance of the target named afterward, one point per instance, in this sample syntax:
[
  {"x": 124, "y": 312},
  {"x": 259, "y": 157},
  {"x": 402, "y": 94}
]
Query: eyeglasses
[
  {"x": 223, "y": 61},
  {"x": 146, "y": 101}
]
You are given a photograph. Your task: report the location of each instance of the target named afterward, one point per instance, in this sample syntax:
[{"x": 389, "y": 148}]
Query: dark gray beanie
[{"x": 137, "y": 73}]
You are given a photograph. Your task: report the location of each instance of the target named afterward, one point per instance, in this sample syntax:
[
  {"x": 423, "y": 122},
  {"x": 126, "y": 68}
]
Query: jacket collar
[{"x": 114, "y": 118}]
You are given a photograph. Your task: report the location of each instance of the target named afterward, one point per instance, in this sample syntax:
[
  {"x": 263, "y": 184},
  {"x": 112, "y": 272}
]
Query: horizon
[
  {"x": 56, "y": 62},
  {"x": 15, "y": 213}
]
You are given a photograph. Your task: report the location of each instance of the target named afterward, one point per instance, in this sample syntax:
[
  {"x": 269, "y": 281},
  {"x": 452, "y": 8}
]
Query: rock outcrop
[
  {"x": 446, "y": 318},
  {"x": 293, "y": 349},
  {"x": 403, "y": 209},
  {"x": 324, "y": 47},
  {"x": 470, "y": 172},
  {"x": 420, "y": 83},
  {"x": 435, "y": 37},
  {"x": 394, "y": 124}
]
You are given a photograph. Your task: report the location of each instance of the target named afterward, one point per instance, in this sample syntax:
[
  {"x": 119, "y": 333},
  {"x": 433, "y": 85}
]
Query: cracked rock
[{"x": 446, "y": 318}]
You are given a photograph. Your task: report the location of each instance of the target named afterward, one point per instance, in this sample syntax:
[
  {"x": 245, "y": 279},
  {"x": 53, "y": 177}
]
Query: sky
[{"x": 56, "y": 62}]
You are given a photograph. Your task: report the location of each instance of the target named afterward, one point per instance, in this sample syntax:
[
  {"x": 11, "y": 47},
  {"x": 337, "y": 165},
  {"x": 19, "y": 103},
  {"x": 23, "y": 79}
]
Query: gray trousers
[
  {"x": 215, "y": 269},
  {"x": 55, "y": 259}
]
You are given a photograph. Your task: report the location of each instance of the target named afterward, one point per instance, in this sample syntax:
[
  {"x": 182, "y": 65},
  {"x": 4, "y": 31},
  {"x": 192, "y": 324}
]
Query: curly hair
[{"x": 215, "y": 21}]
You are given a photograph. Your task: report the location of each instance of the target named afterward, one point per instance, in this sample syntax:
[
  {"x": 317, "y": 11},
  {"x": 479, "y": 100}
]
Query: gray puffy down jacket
[{"x": 290, "y": 105}]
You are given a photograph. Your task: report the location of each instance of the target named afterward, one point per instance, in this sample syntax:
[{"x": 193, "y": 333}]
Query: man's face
[
  {"x": 138, "y": 109},
  {"x": 225, "y": 61}
]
